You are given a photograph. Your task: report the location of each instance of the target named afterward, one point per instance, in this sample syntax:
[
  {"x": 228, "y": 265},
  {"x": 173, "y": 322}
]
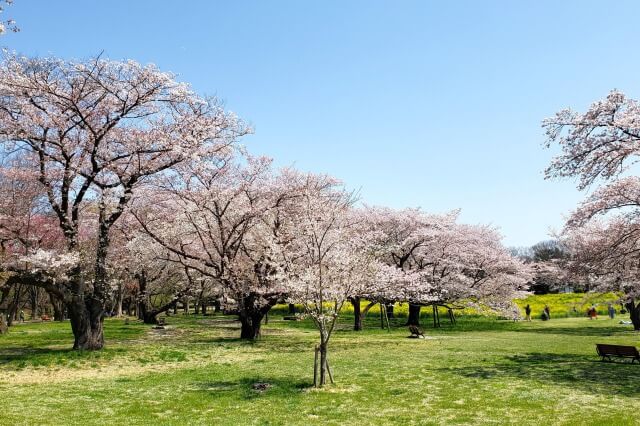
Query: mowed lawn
[{"x": 482, "y": 371}]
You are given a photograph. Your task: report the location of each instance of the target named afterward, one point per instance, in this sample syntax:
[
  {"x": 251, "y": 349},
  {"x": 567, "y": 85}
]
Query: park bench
[
  {"x": 416, "y": 332},
  {"x": 618, "y": 351},
  {"x": 292, "y": 318}
]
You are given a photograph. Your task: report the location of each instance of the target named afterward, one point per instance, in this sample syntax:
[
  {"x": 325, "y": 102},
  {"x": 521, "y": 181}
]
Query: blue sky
[{"x": 418, "y": 103}]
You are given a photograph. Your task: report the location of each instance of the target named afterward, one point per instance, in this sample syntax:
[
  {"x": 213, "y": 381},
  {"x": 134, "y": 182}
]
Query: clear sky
[{"x": 435, "y": 104}]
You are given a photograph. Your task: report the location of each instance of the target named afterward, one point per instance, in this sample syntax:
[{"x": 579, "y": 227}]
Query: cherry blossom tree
[
  {"x": 466, "y": 265},
  {"x": 97, "y": 129},
  {"x": 156, "y": 281},
  {"x": 442, "y": 263},
  {"x": 401, "y": 237},
  {"x": 598, "y": 147},
  {"x": 215, "y": 220},
  {"x": 605, "y": 257},
  {"x": 8, "y": 24},
  {"x": 25, "y": 225},
  {"x": 328, "y": 259}
]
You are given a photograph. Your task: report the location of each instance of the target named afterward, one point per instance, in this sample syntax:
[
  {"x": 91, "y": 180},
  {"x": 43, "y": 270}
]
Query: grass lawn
[{"x": 482, "y": 371}]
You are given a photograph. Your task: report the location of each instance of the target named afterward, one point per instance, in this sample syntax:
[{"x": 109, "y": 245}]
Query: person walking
[
  {"x": 527, "y": 311},
  {"x": 612, "y": 311},
  {"x": 547, "y": 311},
  {"x": 21, "y": 316}
]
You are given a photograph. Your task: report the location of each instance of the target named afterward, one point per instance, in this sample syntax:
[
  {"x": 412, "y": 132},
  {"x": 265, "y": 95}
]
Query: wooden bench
[
  {"x": 416, "y": 332},
  {"x": 618, "y": 351}
]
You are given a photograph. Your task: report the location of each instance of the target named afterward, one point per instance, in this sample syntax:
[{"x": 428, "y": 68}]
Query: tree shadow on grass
[
  {"x": 222, "y": 339},
  {"x": 582, "y": 372},
  {"x": 21, "y": 357},
  {"x": 227, "y": 324},
  {"x": 246, "y": 387},
  {"x": 586, "y": 330},
  {"x": 283, "y": 343}
]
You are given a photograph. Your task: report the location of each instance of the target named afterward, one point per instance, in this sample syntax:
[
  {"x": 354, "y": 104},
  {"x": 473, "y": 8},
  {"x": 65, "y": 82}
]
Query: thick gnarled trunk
[
  {"x": 250, "y": 326},
  {"x": 150, "y": 316},
  {"x": 87, "y": 320},
  {"x": 86, "y": 310},
  {"x": 251, "y": 311},
  {"x": 634, "y": 314}
]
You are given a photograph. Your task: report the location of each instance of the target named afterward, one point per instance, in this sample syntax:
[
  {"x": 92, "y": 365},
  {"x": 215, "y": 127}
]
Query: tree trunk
[
  {"x": 357, "y": 314},
  {"x": 216, "y": 306},
  {"x": 58, "y": 311},
  {"x": 414, "y": 315},
  {"x": 34, "y": 302},
  {"x": 5, "y": 293},
  {"x": 390, "y": 310},
  {"x": 251, "y": 314},
  {"x": 13, "y": 306},
  {"x": 452, "y": 316},
  {"x": 86, "y": 313},
  {"x": 3, "y": 324},
  {"x": 203, "y": 307},
  {"x": 250, "y": 325},
  {"x": 58, "y": 307},
  {"x": 292, "y": 309},
  {"x": 199, "y": 302},
  {"x": 151, "y": 316},
  {"x": 323, "y": 364},
  {"x": 634, "y": 314},
  {"x": 436, "y": 316},
  {"x": 87, "y": 323},
  {"x": 143, "y": 303},
  {"x": 87, "y": 330},
  {"x": 119, "y": 301}
]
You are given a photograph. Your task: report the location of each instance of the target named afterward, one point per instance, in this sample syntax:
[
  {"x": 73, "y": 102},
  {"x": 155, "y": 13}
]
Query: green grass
[{"x": 483, "y": 371}]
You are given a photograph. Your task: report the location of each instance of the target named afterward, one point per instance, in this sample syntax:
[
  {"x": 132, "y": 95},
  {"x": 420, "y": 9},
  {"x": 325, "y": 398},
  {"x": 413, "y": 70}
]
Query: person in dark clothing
[
  {"x": 527, "y": 311},
  {"x": 612, "y": 311}
]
